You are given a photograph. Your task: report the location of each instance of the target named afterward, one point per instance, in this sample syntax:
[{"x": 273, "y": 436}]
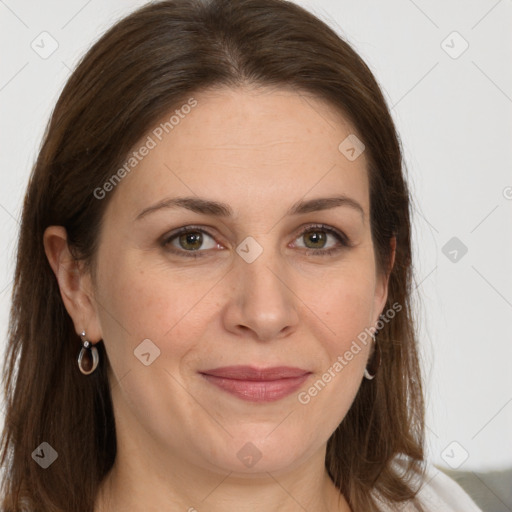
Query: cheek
[
  {"x": 137, "y": 302},
  {"x": 346, "y": 305}
]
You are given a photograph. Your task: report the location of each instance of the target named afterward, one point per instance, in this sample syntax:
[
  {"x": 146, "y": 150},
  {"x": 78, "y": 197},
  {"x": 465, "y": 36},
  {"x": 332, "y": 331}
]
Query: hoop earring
[
  {"x": 371, "y": 370},
  {"x": 92, "y": 358}
]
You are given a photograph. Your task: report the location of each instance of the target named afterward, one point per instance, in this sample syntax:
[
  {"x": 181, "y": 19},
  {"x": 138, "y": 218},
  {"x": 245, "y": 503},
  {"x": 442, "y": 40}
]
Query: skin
[{"x": 259, "y": 151}]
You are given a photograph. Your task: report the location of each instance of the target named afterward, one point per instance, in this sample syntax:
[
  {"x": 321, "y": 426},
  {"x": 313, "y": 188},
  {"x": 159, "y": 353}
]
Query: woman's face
[{"x": 250, "y": 283}]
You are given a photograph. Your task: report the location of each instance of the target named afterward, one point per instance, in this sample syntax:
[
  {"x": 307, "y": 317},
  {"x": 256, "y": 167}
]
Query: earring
[
  {"x": 375, "y": 363},
  {"x": 91, "y": 360}
]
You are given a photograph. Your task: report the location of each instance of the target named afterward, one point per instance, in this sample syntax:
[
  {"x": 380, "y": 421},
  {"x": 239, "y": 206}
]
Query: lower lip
[{"x": 258, "y": 391}]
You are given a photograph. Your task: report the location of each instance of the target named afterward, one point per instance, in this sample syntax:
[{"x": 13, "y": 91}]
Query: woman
[{"x": 211, "y": 307}]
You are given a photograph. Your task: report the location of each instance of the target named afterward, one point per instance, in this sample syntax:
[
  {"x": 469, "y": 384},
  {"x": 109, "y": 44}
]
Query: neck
[{"x": 141, "y": 486}]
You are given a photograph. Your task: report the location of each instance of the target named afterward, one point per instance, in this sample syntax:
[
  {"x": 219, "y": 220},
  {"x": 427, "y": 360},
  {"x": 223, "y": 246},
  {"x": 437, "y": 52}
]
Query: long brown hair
[{"x": 146, "y": 65}]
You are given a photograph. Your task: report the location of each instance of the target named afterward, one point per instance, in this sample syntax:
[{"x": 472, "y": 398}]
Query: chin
[{"x": 260, "y": 453}]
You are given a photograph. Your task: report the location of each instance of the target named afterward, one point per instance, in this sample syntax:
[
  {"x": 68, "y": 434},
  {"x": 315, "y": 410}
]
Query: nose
[{"x": 263, "y": 304}]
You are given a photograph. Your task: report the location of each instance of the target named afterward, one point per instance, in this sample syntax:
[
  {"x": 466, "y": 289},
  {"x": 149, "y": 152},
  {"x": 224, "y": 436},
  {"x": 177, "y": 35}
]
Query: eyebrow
[{"x": 208, "y": 207}]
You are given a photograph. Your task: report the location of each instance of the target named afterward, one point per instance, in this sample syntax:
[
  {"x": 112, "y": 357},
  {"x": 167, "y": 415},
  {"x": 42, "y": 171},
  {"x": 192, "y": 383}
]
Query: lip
[{"x": 257, "y": 384}]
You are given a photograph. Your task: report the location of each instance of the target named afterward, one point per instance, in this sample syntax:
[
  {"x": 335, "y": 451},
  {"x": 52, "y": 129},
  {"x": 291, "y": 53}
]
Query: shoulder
[{"x": 441, "y": 493}]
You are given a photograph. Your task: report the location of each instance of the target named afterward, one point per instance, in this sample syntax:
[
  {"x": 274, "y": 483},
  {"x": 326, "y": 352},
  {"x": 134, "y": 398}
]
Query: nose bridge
[
  {"x": 262, "y": 298},
  {"x": 262, "y": 272}
]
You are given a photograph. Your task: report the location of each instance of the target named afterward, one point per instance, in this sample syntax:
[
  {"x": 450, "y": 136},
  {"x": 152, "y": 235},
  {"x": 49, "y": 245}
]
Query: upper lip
[{"x": 256, "y": 374}]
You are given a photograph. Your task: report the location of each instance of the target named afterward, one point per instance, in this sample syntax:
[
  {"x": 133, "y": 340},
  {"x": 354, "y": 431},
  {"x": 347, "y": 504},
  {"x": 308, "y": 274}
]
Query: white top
[
  {"x": 442, "y": 493},
  {"x": 439, "y": 493}
]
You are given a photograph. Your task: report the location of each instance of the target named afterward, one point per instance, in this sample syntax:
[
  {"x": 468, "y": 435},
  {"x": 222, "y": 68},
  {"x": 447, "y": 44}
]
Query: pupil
[
  {"x": 318, "y": 238},
  {"x": 191, "y": 240}
]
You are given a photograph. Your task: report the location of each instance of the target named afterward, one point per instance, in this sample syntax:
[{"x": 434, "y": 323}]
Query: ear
[
  {"x": 75, "y": 285},
  {"x": 381, "y": 291}
]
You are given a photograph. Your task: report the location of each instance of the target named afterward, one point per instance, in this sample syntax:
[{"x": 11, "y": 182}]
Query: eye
[
  {"x": 316, "y": 240},
  {"x": 192, "y": 241},
  {"x": 189, "y": 241}
]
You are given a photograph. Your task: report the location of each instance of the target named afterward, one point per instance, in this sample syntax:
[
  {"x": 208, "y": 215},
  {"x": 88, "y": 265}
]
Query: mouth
[{"x": 257, "y": 384}]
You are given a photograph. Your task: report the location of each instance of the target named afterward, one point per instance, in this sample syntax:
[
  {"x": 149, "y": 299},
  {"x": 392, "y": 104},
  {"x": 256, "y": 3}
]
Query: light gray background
[{"x": 453, "y": 112}]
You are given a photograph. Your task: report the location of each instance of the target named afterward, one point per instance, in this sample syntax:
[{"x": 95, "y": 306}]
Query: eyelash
[{"x": 342, "y": 239}]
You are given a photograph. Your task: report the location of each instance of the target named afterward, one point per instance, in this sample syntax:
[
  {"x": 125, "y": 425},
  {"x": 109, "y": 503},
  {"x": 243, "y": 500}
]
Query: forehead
[{"x": 245, "y": 146}]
